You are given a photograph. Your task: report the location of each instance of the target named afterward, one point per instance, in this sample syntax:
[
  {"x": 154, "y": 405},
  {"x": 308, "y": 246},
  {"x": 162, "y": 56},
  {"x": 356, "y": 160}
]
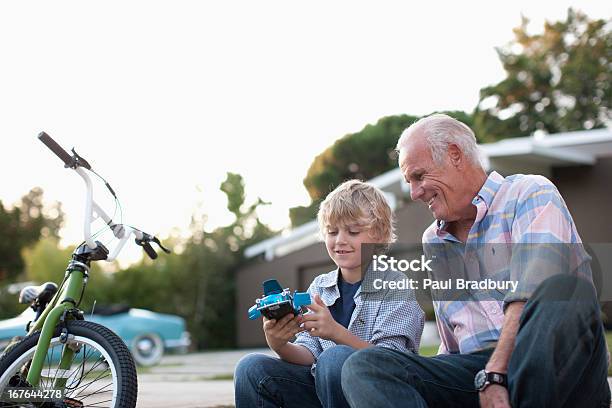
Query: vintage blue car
[{"x": 147, "y": 334}]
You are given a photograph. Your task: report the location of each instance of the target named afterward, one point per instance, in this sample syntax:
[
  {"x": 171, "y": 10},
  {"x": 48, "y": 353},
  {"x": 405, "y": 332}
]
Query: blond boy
[{"x": 347, "y": 313}]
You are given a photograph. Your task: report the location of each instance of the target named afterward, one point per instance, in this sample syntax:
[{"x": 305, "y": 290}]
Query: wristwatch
[{"x": 485, "y": 378}]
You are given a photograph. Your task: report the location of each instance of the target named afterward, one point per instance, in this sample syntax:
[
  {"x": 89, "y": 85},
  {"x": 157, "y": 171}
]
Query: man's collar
[
  {"x": 489, "y": 189},
  {"x": 487, "y": 193}
]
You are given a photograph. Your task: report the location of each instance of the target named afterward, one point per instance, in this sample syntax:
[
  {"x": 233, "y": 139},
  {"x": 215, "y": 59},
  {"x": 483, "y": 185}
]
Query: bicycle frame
[{"x": 75, "y": 281}]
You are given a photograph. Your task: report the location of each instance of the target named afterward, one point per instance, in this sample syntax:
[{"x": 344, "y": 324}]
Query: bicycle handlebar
[
  {"x": 56, "y": 148},
  {"x": 122, "y": 232}
]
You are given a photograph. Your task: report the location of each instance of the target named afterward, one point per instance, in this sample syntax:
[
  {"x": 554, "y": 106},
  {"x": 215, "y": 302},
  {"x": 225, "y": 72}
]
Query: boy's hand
[
  {"x": 320, "y": 322},
  {"x": 279, "y": 333}
]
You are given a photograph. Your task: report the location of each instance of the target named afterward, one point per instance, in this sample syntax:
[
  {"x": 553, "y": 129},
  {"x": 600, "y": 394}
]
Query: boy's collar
[{"x": 331, "y": 279}]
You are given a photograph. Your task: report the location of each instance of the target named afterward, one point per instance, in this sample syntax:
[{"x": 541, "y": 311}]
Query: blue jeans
[
  {"x": 263, "y": 381},
  {"x": 559, "y": 360}
]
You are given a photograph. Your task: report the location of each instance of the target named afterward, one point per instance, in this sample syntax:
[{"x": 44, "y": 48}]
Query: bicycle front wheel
[{"x": 102, "y": 373}]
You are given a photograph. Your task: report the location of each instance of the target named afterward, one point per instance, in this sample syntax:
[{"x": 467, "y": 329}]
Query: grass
[
  {"x": 221, "y": 377},
  {"x": 428, "y": 351}
]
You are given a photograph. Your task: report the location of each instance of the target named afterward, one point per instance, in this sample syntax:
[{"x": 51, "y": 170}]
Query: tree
[
  {"x": 199, "y": 283},
  {"x": 213, "y": 258},
  {"x": 556, "y": 81},
  {"x": 363, "y": 155},
  {"x": 22, "y": 226}
]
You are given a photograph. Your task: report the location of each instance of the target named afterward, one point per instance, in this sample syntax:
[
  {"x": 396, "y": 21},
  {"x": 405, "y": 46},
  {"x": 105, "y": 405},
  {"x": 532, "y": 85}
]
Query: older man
[{"x": 501, "y": 348}]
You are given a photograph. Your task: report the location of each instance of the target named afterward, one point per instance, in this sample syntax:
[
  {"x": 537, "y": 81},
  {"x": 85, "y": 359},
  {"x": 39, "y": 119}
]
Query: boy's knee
[
  {"x": 335, "y": 355},
  {"x": 251, "y": 366},
  {"x": 331, "y": 361}
]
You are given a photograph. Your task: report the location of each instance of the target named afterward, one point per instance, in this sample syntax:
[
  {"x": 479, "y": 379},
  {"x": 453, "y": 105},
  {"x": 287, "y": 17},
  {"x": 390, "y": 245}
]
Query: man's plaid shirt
[{"x": 523, "y": 231}]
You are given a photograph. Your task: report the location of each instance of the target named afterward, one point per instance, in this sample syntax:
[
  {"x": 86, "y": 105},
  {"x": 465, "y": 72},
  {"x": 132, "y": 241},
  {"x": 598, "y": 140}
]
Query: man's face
[{"x": 441, "y": 187}]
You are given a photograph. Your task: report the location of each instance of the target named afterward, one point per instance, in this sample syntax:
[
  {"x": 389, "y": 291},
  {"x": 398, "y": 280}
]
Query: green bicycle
[{"x": 66, "y": 361}]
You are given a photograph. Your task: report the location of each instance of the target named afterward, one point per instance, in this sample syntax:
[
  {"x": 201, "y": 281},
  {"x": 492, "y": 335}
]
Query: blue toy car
[{"x": 278, "y": 302}]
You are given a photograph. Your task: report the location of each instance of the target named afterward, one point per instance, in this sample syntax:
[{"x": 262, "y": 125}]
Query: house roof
[{"x": 531, "y": 154}]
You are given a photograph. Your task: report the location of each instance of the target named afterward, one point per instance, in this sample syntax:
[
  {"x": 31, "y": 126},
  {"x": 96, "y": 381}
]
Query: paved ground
[
  {"x": 190, "y": 381},
  {"x": 204, "y": 379}
]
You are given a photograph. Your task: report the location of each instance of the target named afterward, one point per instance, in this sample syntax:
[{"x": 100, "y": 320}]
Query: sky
[{"x": 163, "y": 98}]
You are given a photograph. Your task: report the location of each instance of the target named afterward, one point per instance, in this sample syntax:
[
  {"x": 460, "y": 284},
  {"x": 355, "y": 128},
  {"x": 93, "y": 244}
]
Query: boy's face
[{"x": 343, "y": 245}]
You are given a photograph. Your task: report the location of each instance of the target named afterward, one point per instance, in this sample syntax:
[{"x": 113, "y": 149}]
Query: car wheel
[{"x": 147, "y": 349}]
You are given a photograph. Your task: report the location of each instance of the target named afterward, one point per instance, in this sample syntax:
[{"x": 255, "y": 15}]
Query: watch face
[{"x": 480, "y": 380}]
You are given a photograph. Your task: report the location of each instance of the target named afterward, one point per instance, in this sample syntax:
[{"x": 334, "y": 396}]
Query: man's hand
[
  {"x": 320, "y": 322},
  {"x": 279, "y": 333},
  {"x": 494, "y": 396}
]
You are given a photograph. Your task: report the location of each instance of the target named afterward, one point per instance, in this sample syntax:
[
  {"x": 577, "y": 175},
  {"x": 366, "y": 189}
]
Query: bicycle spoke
[
  {"x": 82, "y": 375},
  {"x": 95, "y": 404},
  {"x": 85, "y": 386},
  {"x": 97, "y": 392},
  {"x": 51, "y": 363}
]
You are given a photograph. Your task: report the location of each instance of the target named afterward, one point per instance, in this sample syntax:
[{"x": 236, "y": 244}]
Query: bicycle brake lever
[
  {"x": 78, "y": 161},
  {"x": 144, "y": 243},
  {"x": 149, "y": 250},
  {"x": 157, "y": 241}
]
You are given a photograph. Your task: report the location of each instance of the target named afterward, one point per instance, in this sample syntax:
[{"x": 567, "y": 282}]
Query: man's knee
[
  {"x": 365, "y": 364},
  {"x": 575, "y": 295},
  {"x": 566, "y": 287},
  {"x": 381, "y": 366}
]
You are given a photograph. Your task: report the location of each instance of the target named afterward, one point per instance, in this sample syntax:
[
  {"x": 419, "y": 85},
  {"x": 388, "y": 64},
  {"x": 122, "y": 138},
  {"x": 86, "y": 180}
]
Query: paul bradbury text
[{"x": 447, "y": 284}]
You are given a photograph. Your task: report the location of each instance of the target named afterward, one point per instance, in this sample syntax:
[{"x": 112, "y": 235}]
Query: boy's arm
[
  {"x": 296, "y": 354},
  {"x": 349, "y": 339},
  {"x": 280, "y": 333},
  {"x": 320, "y": 323}
]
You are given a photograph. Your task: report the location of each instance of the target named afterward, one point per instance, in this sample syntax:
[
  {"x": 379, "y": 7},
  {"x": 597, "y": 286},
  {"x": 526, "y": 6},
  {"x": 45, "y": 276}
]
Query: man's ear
[{"x": 455, "y": 155}]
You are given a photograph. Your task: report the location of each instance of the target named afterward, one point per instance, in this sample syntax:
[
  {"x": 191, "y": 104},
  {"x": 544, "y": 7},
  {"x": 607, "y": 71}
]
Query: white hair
[{"x": 440, "y": 131}]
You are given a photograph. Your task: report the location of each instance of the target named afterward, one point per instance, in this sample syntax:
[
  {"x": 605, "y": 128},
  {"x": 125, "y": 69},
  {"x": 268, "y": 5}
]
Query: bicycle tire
[{"x": 85, "y": 334}]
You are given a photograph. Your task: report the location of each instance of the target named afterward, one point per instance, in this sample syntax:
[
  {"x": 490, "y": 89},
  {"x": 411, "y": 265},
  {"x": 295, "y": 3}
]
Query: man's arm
[
  {"x": 501, "y": 356},
  {"x": 496, "y": 395}
]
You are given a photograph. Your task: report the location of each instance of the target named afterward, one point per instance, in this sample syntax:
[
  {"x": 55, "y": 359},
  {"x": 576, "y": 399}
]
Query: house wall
[{"x": 587, "y": 191}]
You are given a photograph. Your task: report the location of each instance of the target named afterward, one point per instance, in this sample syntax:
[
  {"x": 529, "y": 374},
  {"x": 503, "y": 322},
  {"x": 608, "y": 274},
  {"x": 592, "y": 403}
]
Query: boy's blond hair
[{"x": 355, "y": 201}]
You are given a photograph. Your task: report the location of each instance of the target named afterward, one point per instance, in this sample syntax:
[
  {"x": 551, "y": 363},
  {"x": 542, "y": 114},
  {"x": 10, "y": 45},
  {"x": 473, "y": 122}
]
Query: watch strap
[{"x": 497, "y": 378}]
